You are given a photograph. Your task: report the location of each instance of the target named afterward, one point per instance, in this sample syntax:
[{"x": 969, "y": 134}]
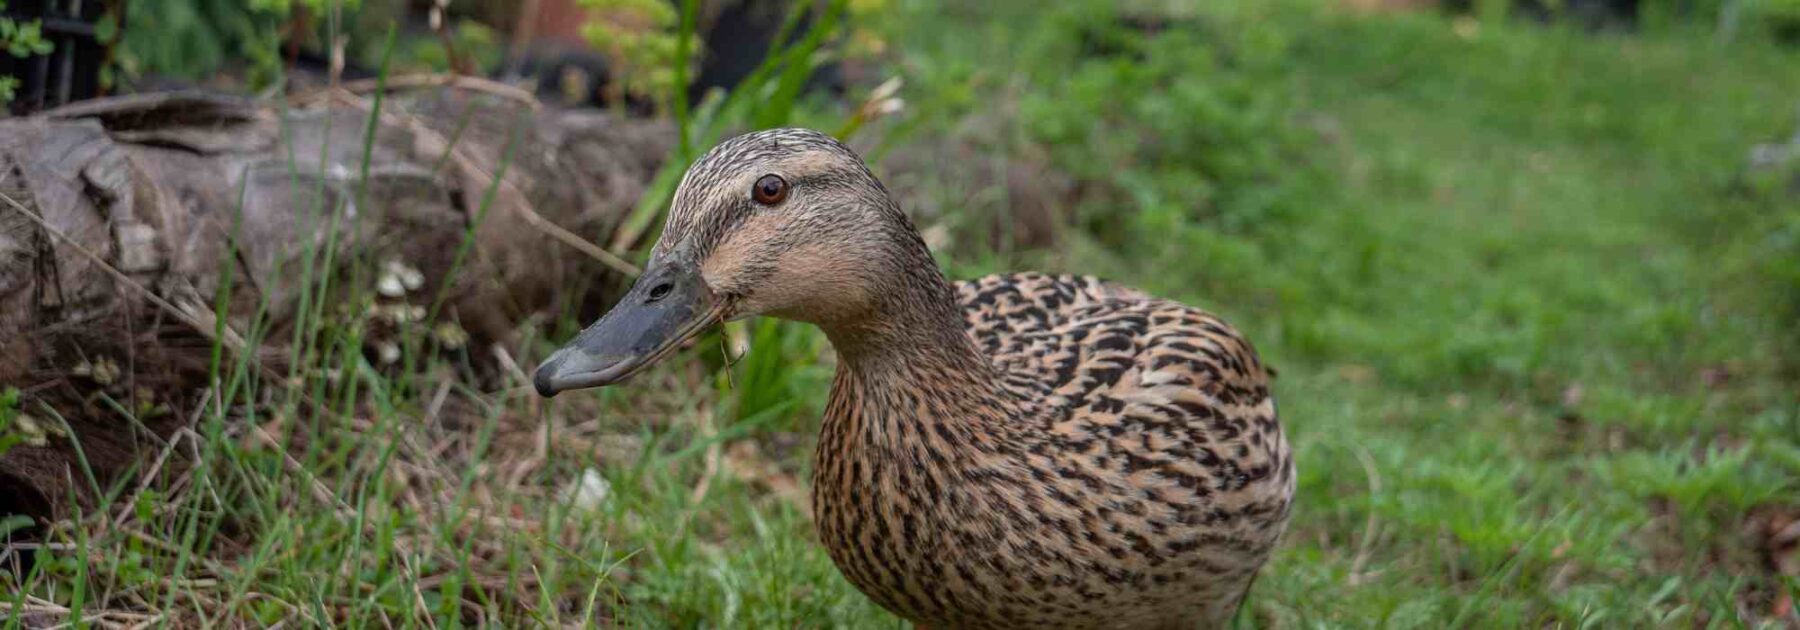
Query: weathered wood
[{"x": 120, "y": 217}]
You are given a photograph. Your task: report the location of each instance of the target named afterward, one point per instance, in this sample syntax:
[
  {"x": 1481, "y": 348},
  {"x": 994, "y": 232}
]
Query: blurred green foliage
[
  {"x": 640, "y": 38},
  {"x": 196, "y": 38},
  {"x": 200, "y": 39},
  {"x": 21, "y": 39},
  {"x": 1779, "y": 17},
  {"x": 1193, "y": 116},
  {"x": 479, "y": 44},
  {"x": 283, "y": 7},
  {"x": 10, "y": 434}
]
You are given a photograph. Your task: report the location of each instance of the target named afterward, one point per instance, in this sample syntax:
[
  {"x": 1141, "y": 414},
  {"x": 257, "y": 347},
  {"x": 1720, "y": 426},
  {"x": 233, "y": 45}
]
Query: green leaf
[
  {"x": 106, "y": 29},
  {"x": 14, "y": 522}
]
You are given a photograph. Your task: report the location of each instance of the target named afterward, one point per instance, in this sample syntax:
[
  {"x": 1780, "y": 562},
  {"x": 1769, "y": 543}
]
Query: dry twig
[
  {"x": 433, "y": 142},
  {"x": 1369, "y": 529},
  {"x": 411, "y": 81},
  {"x": 198, "y": 319}
]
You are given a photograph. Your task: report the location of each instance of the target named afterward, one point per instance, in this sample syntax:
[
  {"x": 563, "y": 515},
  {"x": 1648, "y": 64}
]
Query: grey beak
[{"x": 669, "y": 304}]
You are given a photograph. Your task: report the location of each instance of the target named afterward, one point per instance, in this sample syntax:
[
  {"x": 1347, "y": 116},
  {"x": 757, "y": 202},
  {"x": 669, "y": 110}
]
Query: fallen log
[{"x": 121, "y": 220}]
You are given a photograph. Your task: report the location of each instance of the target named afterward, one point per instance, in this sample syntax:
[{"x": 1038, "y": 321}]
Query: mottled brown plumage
[
  {"x": 1017, "y": 451},
  {"x": 1116, "y": 463}
]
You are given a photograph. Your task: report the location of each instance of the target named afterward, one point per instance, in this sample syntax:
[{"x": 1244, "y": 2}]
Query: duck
[{"x": 1021, "y": 450}]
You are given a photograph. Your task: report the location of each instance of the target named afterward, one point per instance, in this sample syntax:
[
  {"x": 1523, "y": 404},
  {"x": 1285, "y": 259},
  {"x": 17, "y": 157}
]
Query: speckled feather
[
  {"x": 1131, "y": 471},
  {"x": 1017, "y": 451}
]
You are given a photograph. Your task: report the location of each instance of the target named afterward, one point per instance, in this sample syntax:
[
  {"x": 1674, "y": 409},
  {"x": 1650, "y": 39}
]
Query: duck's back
[
  {"x": 1086, "y": 338},
  {"x": 1158, "y": 421}
]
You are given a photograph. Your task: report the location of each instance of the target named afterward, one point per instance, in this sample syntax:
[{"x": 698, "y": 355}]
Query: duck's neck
[
  {"x": 914, "y": 326},
  {"x": 910, "y": 354}
]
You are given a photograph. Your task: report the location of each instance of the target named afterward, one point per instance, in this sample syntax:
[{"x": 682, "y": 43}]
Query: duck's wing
[{"x": 1141, "y": 392}]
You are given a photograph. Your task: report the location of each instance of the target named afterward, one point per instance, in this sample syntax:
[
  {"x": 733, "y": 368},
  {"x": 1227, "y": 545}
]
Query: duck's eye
[
  {"x": 769, "y": 190},
  {"x": 657, "y": 292}
]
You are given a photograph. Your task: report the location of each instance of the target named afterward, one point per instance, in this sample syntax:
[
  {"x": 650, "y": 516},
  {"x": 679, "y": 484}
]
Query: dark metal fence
[{"x": 71, "y": 71}]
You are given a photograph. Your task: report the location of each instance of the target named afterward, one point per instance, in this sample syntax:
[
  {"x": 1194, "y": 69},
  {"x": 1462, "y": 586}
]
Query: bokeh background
[{"x": 1529, "y": 271}]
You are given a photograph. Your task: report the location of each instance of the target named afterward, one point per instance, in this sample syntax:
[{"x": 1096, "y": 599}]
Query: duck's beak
[{"x": 669, "y": 304}]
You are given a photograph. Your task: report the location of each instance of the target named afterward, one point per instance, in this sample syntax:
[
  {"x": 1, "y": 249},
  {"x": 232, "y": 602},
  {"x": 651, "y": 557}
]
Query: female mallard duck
[{"x": 1021, "y": 450}]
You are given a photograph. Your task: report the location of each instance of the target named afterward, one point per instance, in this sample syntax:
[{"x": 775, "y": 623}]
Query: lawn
[{"x": 1533, "y": 315}]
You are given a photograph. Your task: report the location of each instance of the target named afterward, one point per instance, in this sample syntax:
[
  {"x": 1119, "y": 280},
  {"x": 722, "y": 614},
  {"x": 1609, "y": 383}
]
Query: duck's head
[{"x": 787, "y": 222}]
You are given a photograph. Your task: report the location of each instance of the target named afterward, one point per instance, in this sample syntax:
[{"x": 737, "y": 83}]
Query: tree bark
[{"x": 121, "y": 217}]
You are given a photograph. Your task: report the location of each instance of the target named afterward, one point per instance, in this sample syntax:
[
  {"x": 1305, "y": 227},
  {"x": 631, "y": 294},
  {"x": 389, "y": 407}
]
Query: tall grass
[{"x": 338, "y": 492}]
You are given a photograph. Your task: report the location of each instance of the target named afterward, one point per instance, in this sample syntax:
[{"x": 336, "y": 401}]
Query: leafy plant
[
  {"x": 1780, "y": 17},
  {"x": 10, "y": 433},
  {"x": 21, "y": 40},
  {"x": 198, "y": 38},
  {"x": 195, "y": 38},
  {"x": 473, "y": 42},
  {"x": 285, "y": 6},
  {"x": 641, "y": 38},
  {"x": 1204, "y": 108}
]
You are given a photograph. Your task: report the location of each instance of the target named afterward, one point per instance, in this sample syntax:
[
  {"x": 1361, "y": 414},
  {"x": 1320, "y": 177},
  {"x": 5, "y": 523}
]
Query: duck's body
[
  {"x": 1118, "y": 464},
  {"x": 1019, "y": 451}
]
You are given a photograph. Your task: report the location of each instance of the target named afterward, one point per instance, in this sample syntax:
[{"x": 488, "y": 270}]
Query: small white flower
[
  {"x": 590, "y": 492},
  {"x": 387, "y": 352},
  {"x": 390, "y": 286},
  {"x": 103, "y": 371},
  {"x": 33, "y": 433},
  {"x": 398, "y": 278},
  {"x": 409, "y": 275}
]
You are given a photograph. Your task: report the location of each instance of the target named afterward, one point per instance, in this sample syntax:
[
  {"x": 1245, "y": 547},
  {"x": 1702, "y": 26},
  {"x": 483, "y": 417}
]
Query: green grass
[
  {"x": 1535, "y": 355},
  {"x": 1533, "y": 321},
  {"x": 1551, "y": 221}
]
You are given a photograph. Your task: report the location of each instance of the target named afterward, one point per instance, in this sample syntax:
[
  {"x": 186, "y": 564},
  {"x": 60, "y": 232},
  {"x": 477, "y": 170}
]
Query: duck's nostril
[{"x": 657, "y": 292}]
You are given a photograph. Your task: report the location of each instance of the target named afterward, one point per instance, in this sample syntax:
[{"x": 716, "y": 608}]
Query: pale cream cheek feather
[
  {"x": 814, "y": 284},
  {"x": 815, "y": 274},
  {"x": 724, "y": 269}
]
